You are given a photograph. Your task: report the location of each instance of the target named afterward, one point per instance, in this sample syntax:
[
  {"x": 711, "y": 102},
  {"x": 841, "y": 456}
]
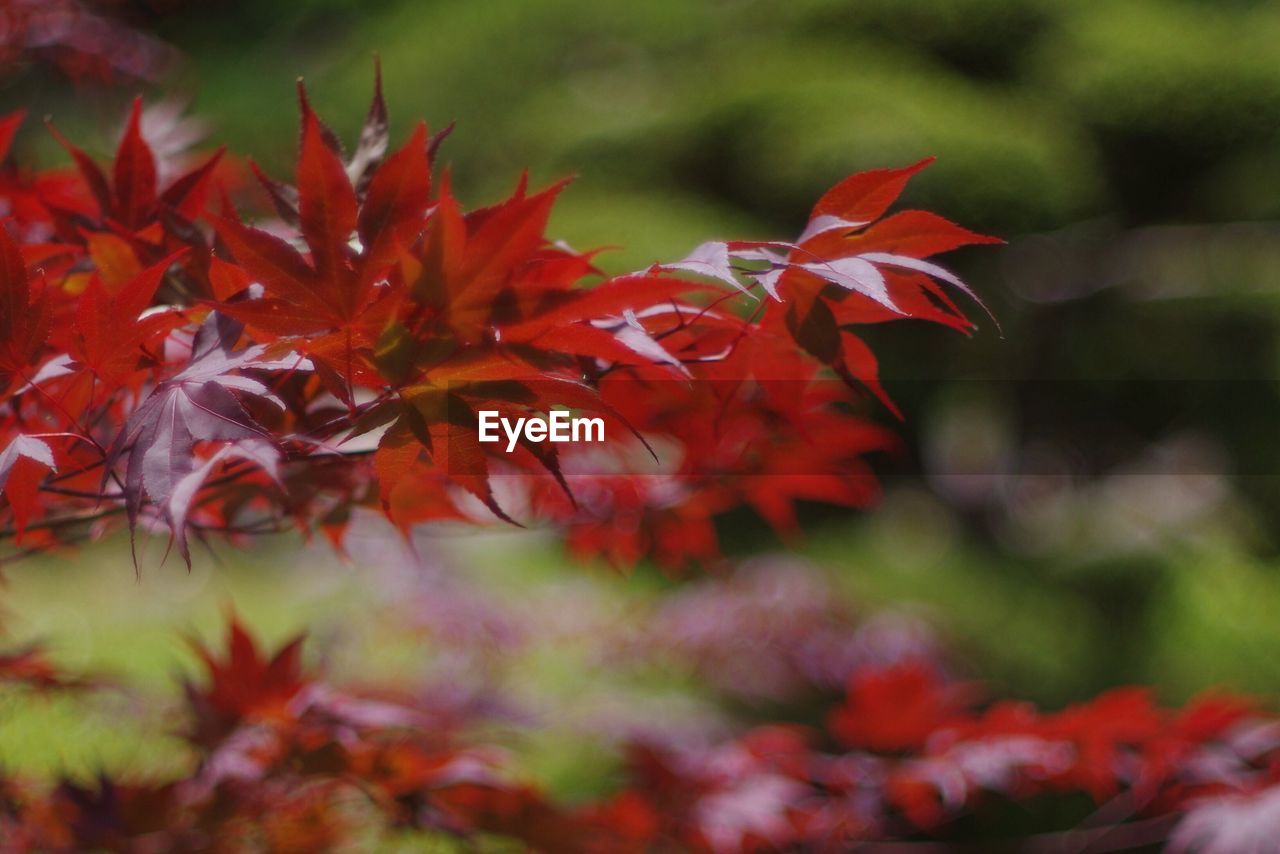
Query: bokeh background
[{"x": 1090, "y": 493}]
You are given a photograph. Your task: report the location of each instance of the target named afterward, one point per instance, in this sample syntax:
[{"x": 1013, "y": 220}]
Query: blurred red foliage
[
  {"x": 80, "y": 39},
  {"x": 287, "y": 762}
]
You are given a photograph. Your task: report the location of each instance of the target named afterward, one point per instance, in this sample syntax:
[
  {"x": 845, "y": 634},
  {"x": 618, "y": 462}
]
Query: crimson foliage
[
  {"x": 168, "y": 363},
  {"x": 287, "y": 762},
  {"x": 171, "y": 364}
]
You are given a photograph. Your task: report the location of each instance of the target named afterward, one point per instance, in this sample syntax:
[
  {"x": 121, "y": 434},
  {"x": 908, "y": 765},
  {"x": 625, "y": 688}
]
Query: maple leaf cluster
[
  {"x": 287, "y": 761},
  {"x": 166, "y": 362},
  {"x": 922, "y": 758}
]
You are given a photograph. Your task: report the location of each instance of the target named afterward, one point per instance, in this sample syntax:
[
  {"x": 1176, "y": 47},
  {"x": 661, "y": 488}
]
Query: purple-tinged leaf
[
  {"x": 19, "y": 478},
  {"x": 197, "y": 404},
  {"x": 374, "y": 137},
  {"x": 824, "y": 223},
  {"x": 769, "y": 281},
  {"x": 261, "y": 453},
  {"x": 59, "y": 366},
  {"x": 25, "y": 446},
  {"x": 715, "y": 259},
  {"x": 631, "y": 334},
  {"x": 711, "y": 259},
  {"x": 857, "y": 275},
  {"x": 906, "y": 262}
]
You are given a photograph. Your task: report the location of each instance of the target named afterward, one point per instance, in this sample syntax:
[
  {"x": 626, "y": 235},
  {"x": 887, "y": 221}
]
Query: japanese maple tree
[
  {"x": 284, "y": 760},
  {"x": 175, "y": 364},
  {"x": 178, "y": 358}
]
